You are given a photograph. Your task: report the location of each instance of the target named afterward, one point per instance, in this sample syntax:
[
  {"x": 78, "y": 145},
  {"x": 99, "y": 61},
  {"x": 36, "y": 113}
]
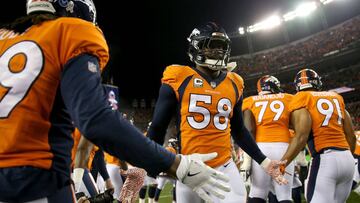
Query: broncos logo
[{"x": 112, "y": 100}]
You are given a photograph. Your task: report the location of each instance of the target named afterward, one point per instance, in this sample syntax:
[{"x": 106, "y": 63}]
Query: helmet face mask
[
  {"x": 84, "y": 9},
  {"x": 307, "y": 79},
  {"x": 173, "y": 142},
  {"x": 268, "y": 84},
  {"x": 209, "y": 46}
]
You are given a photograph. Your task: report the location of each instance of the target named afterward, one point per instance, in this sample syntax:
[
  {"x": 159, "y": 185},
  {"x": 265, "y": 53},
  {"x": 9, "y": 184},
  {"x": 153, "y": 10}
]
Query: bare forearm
[
  {"x": 296, "y": 145},
  {"x": 302, "y": 122},
  {"x": 83, "y": 153},
  {"x": 172, "y": 170}
]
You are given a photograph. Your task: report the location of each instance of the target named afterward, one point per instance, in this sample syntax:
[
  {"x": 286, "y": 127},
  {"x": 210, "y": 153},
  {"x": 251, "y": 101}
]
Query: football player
[
  {"x": 113, "y": 166},
  {"x": 321, "y": 121},
  {"x": 83, "y": 179},
  {"x": 50, "y": 65},
  {"x": 356, "y": 154},
  {"x": 266, "y": 116},
  {"x": 207, "y": 100},
  {"x": 162, "y": 179}
]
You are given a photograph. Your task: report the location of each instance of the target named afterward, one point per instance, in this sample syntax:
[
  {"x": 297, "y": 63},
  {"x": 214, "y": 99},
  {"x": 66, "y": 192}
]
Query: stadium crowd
[{"x": 302, "y": 51}]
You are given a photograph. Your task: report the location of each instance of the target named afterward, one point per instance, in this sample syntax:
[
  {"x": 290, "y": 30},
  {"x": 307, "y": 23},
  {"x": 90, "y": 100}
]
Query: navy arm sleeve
[
  {"x": 85, "y": 99},
  {"x": 164, "y": 110},
  {"x": 242, "y": 136},
  {"x": 100, "y": 164}
]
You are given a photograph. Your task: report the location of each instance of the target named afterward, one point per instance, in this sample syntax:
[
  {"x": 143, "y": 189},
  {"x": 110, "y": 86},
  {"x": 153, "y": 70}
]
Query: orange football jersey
[
  {"x": 76, "y": 136},
  {"x": 205, "y": 110},
  {"x": 357, "y": 146},
  {"x": 109, "y": 159},
  {"x": 271, "y": 113},
  {"x": 30, "y": 73},
  {"x": 327, "y": 111}
]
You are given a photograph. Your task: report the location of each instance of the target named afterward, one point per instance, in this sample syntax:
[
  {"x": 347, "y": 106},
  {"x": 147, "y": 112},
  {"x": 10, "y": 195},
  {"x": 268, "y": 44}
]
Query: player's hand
[
  {"x": 134, "y": 180},
  {"x": 272, "y": 167},
  {"x": 201, "y": 178}
]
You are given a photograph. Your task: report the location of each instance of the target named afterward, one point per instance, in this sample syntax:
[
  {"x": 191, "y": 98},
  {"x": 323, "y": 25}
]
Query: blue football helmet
[
  {"x": 307, "y": 79},
  {"x": 173, "y": 142},
  {"x": 209, "y": 46},
  {"x": 84, "y": 9},
  {"x": 268, "y": 84}
]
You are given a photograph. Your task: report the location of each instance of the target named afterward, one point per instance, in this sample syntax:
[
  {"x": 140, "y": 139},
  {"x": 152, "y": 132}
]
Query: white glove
[
  {"x": 201, "y": 178},
  {"x": 272, "y": 167}
]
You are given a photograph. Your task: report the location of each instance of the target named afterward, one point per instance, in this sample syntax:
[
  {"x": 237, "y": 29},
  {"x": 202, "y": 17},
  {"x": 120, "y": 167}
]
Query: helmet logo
[
  {"x": 63, "y": 3},
  {"x": 195, "y": 32}
]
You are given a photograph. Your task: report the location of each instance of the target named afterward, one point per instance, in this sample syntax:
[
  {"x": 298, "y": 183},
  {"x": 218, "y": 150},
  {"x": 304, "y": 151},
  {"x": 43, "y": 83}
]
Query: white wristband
[
  {"x": 265, "y": 164},
  {"x": 182, "y": 168}
]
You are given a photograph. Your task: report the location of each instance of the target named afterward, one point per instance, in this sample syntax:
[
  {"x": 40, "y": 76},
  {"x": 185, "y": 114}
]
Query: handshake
[
  {"x": 202, "y": 179},
  {"x": 206, "y": 181}
]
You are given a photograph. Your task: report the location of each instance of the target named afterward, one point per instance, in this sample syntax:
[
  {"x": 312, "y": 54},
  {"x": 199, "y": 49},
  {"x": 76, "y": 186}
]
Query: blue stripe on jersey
[
  {"x": 311, "y": 144},
  {"x": 315, "y": 165},
  {"x": 181, "y": 90}
]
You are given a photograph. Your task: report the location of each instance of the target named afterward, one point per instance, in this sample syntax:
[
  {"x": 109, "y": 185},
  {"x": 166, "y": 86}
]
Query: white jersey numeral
[
  {"x": 18, "y": 83},
  {"x": 328, "y": 112},
  {"x": 223, "y": 106},
  {"x": 276, "y": 106}
]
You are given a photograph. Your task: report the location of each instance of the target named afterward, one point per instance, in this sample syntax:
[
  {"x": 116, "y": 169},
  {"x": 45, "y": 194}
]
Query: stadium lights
[
  {"x": 268, "y": 23},
  {"x": 241, "y": 30},
  {"x": 302, "y": 10},
  {"x": 326, "y": 1}
]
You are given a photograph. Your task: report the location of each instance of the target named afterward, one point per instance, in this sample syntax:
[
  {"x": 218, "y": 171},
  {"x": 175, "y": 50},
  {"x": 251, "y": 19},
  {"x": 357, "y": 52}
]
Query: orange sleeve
[
  {"x": 175, "y": 75},
  {"x": 239, "y": 82},
  {"x": 357, "y": 146},
  {"x": 111, "y": 159},
  {"x": 76, "y": 137},
  {"x": 92, "y": 155},
  {"x": 300, "y": 100},
  {"x": 80, "y": 37},
  {"x": 247, "y": 103},
  {"x": 170, "y": 78}
]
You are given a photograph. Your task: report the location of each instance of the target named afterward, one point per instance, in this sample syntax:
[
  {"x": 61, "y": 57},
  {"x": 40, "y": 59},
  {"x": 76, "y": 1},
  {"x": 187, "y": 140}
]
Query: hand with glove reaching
[
  {"x": 273, "y": 168},
  {"x": 134, "y": 180},
  {"x": 201, "y": 178}
]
